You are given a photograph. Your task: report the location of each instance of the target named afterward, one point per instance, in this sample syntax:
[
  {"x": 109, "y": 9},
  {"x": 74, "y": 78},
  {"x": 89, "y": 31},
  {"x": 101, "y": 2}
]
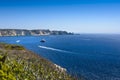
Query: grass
[{"x": 17, "y": 63}]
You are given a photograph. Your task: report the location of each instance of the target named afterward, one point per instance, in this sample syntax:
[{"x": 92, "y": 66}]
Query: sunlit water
[{"x": 97, "y": 57}]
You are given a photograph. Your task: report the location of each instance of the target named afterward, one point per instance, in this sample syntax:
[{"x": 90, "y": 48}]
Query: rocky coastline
[{"x": 37, "y": 32}]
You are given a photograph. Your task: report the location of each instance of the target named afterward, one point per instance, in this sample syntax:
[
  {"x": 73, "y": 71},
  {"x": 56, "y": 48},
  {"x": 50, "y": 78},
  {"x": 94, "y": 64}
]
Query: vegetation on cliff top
[{"x": 17, "y": 63}]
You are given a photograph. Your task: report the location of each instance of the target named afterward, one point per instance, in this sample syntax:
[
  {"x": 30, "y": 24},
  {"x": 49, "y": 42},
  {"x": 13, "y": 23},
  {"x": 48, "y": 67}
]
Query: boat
[
  {"x": 17, "y": 41},
  {"x": 43, "y": 40}
]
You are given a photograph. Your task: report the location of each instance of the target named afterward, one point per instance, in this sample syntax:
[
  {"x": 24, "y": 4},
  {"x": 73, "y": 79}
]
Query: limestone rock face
[{"x": 23, "y": 32}]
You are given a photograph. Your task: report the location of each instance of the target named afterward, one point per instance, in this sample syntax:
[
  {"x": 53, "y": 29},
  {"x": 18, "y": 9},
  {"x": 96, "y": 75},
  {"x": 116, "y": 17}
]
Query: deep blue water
[{"x": 97, "y": 57}]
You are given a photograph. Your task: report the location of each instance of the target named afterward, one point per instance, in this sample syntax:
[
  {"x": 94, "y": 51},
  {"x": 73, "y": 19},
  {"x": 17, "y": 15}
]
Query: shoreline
[{"x": 37, "y": 35}]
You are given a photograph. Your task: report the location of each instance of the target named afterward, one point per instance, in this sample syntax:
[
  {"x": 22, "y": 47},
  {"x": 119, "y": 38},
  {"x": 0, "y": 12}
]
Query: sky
[{"x": 79, "y": 16}]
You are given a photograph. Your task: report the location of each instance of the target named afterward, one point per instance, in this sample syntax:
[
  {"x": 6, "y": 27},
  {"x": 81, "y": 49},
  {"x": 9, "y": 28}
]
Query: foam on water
[
  {"x": 17, "y": 41},
  {"x": 54, "y": 49}
]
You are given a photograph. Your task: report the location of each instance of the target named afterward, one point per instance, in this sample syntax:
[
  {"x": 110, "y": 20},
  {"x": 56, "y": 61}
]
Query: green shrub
[
  {"x": 27, "y": 66},
  {"x": 14, "y": 47}
]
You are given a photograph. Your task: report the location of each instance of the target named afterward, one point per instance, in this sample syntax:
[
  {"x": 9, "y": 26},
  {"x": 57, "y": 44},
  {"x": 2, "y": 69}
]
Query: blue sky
[{"x": 80, "y": 16}]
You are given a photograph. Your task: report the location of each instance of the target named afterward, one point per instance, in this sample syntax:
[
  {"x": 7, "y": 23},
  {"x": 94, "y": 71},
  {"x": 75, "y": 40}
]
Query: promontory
[{"x": 37, "y": 32}]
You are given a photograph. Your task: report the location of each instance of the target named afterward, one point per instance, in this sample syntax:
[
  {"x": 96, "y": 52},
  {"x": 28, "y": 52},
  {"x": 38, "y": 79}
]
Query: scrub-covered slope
[{"x": 17, "y": 63}]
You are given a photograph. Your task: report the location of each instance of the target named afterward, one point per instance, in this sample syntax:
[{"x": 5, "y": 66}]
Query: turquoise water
[{"x": 97, "y": 57}]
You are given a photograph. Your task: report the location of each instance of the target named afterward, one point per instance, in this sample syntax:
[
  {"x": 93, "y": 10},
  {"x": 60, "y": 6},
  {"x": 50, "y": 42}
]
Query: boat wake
[
  {"x": 54, "y": 49},
  {"x": 17, "y": 41}
]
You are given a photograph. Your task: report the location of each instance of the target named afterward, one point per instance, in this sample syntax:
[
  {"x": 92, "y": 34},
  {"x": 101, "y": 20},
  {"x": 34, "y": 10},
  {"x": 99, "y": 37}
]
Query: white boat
[{"x": 18, "y": 41}]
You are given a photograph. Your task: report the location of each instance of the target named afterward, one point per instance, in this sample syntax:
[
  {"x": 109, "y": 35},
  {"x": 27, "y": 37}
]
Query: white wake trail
[{"x": 54, "y": 49}]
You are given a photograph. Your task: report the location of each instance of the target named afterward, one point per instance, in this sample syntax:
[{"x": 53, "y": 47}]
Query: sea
[{"x": 92, "y": 56}]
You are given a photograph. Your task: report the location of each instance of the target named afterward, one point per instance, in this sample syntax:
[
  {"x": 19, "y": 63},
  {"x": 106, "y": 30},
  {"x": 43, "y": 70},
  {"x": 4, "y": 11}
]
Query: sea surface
[{"x": 94, "y": 56}]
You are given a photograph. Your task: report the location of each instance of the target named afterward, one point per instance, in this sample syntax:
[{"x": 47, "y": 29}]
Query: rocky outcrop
[{"x": 23, "y": 32}]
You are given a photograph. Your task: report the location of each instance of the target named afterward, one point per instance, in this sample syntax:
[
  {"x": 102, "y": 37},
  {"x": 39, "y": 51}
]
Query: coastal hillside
[
  {"x": 17, "y": 63},
  {"x": 23, "y": 32}
]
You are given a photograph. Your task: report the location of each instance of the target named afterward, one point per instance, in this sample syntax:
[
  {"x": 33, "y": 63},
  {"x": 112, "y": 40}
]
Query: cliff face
[{"x": 22, "y": 32}]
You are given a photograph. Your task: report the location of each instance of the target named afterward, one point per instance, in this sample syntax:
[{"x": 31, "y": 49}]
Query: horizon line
[{"x": 78, "y": 33}]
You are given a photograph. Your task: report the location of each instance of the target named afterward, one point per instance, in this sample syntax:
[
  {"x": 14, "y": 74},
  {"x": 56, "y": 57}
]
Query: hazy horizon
[{"x": 78, "y": 16}]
